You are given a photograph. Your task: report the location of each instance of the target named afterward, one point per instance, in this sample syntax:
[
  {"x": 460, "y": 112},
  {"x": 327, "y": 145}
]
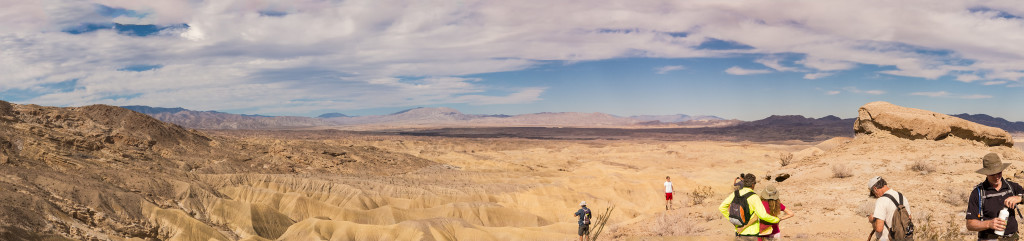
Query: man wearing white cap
[
  {"x": 989, "y": 198},
  {"x": 584, "y": 221},
  {"x": 881, "y": 219}
]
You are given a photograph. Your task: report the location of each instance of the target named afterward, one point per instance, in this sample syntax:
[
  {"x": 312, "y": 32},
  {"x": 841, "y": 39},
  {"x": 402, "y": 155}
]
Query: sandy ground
[{"x": 515, "y": 189}]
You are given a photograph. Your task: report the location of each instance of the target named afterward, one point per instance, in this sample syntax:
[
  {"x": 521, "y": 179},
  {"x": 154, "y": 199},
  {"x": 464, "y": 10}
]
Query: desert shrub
[
  {"x": 841, "y": 171},
  {"x": 927, "y": 227},
  {"x": 600, "y": 221},
  {"x": 674, "y": 225},
  {"x": 785, "y": 158},
  {"x": 922, "y": 166},
  {"x": 956, "y": 197},
  {"x": 699, "y": 194}
]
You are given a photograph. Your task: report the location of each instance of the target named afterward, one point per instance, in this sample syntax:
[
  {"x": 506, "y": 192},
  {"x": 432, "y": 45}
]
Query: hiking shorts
[
  {"x": 668, "y": 196},
  {"x": 584, "y": 230}
]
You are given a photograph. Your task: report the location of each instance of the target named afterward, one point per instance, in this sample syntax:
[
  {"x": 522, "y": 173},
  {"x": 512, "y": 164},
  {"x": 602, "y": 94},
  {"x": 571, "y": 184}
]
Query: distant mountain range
[
  {"x": 416, "y": 117},
  {"x": 442, "y": 116}
]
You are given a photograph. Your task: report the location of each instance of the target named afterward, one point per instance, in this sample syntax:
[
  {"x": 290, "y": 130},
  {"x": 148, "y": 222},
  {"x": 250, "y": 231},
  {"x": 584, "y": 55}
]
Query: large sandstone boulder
[{"x": 910, "y": 123}]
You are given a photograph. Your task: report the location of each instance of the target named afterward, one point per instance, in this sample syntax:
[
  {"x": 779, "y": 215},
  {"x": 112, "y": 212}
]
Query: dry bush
[
  {"x": 785, "y": 158},
  {"x": 922, "y": 166},
  {"x": 926, "y": 227},
  {"x": 841, "y": 171},
  {"x": 674, "y": 225},
  {"x": 699, "y": 194},
  {"x": 956, "y": 197}
]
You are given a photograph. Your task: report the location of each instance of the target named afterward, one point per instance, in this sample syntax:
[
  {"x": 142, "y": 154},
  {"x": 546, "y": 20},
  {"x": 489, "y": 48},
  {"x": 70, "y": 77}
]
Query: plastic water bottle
[{"x": 1003, "y": 214}]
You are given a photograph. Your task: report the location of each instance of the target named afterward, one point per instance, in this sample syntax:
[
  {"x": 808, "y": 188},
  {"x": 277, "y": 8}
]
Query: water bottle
[{"x": 1003, "y": 214}]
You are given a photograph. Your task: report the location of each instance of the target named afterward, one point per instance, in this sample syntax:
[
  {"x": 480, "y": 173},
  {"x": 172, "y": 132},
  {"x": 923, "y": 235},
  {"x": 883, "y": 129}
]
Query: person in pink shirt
[{"x": 770, "y": 199}]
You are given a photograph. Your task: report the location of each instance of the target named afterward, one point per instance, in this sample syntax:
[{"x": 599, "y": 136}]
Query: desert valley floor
[{"x": 99, "y": 173}]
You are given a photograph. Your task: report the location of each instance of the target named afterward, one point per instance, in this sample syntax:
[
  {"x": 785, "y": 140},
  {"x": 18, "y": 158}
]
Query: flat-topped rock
[{"x": 910, "y": 123}]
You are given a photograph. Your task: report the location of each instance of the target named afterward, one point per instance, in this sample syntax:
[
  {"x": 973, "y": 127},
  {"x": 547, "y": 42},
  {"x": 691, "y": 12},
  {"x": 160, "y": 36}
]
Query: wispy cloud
[
  {"x": 944, "y": 94},
  {"x": 333, "y": 51},
  {"x": 670, "y": 68},
  {"x": 772, "y": 62},
  {"x": 832, "y": 92},
  {"x": 736, "y": 70},
  {"x": 859, "y": 91},
  {"x": 817, "y": 75}
]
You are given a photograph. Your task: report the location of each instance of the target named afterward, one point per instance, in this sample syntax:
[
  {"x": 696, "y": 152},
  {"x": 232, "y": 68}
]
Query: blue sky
[{"x": 734, "y": 59}]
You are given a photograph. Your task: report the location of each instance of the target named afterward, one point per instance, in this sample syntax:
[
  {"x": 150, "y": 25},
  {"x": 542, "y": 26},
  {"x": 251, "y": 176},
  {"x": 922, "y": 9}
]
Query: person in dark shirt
[
  {"x": 584, "y": 215},
  {"x": 990, "y": 197}
]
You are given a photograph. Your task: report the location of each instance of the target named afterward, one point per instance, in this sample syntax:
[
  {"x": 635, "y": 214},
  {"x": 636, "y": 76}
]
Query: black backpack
[
  {"x": 586, "y": 216},
  {"x": 902, "y": 227},
  {"x": 739, "y": 209}
]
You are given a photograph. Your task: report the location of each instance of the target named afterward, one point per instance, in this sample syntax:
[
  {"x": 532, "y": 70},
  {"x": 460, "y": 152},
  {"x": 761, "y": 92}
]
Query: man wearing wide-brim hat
[{"x": 990, "y": 197}]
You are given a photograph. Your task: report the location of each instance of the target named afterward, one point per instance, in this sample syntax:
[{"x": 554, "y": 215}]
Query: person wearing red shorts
[{"x": 668, "y": 193}]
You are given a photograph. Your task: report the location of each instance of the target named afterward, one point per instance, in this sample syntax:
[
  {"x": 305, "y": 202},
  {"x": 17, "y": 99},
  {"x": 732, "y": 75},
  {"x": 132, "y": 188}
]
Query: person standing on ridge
[
  {"x": 989, "y": 198},
  {"x": 744, "y": 209},
  {"x": 584, "y": 221},
  {"x": 668, "y": 193}
]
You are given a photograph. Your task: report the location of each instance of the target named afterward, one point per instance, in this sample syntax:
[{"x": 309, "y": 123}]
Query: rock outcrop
[{"x": 910, "y": 123}]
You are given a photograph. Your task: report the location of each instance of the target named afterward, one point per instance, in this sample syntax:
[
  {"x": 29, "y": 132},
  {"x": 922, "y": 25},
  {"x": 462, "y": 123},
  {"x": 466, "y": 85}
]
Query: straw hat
[
  {"x": 769, "y": 193},
  {"x": 991, "y": 165}
]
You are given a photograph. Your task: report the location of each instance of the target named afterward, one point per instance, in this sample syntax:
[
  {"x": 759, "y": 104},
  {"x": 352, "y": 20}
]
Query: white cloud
[
  {"x": 997, "y": 82},
  {"x": 832, "y": 92},
  {"x": 932, "y": 94},
  {"x": 967, "y": 78},
  {"x": 330, "y": 52},
  {"x": 670, "y": 68},
  {"x": 817, "y": 75},
  {"x": 736, "y": 70},
  {"x": 859, "y": 91},
  {"x": 774, "y": 64},
  {"x": 944, "y": 94}
]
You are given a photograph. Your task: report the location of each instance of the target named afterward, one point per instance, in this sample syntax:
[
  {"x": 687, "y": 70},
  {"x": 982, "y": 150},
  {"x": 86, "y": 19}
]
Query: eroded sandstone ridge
[{"x": 883, "y": 117}]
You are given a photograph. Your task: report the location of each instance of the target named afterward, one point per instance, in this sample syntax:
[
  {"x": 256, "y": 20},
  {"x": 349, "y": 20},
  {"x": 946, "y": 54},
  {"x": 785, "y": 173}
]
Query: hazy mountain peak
[
  {"x": 333, "y": 115},
  {"x": 429, "y": 110}
]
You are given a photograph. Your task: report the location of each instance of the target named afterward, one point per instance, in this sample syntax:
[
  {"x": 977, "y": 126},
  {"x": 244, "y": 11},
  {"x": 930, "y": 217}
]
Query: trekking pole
[{"x": 871, "y": 235}]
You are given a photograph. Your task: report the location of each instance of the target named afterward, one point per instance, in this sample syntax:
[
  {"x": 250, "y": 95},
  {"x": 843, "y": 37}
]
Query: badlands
[{"x": 106, "y": 173}]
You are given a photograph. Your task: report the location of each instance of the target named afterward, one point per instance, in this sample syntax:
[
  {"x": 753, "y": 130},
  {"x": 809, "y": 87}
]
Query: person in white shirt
[
  {"x": 884, "y": 207},
  {"x": 668, "y": 193}
]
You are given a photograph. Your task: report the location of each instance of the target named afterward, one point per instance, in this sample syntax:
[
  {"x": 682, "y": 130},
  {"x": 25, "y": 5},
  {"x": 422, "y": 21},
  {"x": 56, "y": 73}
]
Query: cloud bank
[{"x": 296, "y": 57}]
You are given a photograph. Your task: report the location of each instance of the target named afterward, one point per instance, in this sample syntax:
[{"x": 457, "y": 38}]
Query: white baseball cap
[
  {"x": 583, "y": 203},
  {"x": 871, "y": 183}
]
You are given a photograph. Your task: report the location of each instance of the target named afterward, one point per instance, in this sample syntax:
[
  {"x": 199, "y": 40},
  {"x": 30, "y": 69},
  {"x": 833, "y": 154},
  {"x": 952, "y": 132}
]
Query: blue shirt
[{"x": 580, "y": 214}]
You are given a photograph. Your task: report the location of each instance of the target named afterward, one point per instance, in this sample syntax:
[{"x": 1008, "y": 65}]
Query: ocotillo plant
[{"x": 602, "y": 218}]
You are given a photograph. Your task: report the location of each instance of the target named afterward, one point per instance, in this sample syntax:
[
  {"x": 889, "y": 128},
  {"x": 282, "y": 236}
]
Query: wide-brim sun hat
[
  {"x": 991, "y": 165},
  {"x": 769, "y": 193}
]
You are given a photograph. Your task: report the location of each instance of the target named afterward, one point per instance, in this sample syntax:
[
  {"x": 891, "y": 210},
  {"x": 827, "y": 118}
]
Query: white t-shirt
[
  {"x": 668, "y": 187},
  {"x": 884, "y": 209}
]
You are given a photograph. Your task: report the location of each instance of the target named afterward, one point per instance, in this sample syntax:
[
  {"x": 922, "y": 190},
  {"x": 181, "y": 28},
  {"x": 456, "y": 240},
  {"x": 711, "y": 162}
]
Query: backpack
[
  {"x": 902, "y": 227},
  {"x": 586, "y": 216},
  {"x": 739, "y": 209},
  {"x": 981, "y": 198}
]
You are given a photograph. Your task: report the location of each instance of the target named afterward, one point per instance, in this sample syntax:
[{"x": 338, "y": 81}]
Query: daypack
[
  {"x": 586, "y": 216},
  {"x": 902, "y": 227},
  {"x": 739, "y": 209},
  {"x": 981, "y": 198}
]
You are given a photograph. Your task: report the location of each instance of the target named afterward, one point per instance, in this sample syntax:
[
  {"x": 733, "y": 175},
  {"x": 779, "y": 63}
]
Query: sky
[{"x": 736, "y": 59}]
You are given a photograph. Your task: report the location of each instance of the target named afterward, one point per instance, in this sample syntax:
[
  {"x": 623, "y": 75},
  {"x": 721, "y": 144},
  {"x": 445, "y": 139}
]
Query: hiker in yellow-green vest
[{"x": 746, "y": 210}]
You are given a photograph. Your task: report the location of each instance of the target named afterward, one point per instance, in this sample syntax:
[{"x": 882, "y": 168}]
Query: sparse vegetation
[
  {"x": 927, "y": 228},
  {"x": 699, "y": 194},
  {"x": 922, "y": 166},
  {"x": 841, "y": 171},
  {"x": 785, "y": 158},
  {"x": 956, "y": 197},
  {"x": 600, "y": 221}
]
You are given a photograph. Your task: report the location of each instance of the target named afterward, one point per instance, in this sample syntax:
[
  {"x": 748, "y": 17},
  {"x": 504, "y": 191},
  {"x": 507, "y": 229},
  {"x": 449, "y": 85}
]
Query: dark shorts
[
  {"x": 584, "y": 230},
  {"x": 668, "y": 196}
]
